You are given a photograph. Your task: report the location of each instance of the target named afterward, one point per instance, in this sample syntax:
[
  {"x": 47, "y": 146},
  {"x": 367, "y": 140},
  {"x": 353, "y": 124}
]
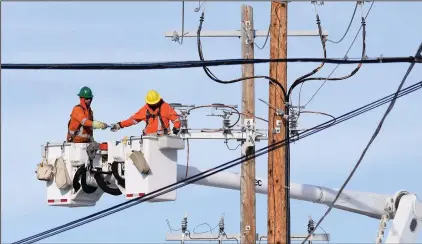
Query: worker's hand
[
  {"x": 99, "y": 125},
  {"x": 175, "y": 130},
  {"x": 115, "y": 127}
]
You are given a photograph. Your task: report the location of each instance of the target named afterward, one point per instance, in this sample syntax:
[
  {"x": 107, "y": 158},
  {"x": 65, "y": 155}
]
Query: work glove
[
  {"x": 175, "y": 130},
  {"x": 99, "y": 125},
  {"x": 115, "y": 127}
]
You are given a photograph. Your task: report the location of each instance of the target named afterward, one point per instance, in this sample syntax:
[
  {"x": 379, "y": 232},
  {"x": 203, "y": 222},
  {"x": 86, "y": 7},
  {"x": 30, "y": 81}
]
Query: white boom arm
[{"x": 369, "y": 204}]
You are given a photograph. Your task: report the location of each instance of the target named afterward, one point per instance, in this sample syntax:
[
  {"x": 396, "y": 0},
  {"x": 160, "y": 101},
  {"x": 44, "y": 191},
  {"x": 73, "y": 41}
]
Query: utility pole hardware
[
  {"x": 277, "y": 190},
  {"x": 222, "y": 236},
  {"x": 247, "y": 182}
]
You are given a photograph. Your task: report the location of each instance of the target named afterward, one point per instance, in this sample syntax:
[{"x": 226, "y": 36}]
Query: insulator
[
  {"x": 311, "y": 226},
  {"x": 226, "y": 123},
  {"x": 221, "y": 225},
  {"x": 184, "y": 224}
]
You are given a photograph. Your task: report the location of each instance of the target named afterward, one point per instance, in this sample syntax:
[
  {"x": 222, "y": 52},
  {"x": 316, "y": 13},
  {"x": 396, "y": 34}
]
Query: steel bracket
[{"x": 249, "y": 127}]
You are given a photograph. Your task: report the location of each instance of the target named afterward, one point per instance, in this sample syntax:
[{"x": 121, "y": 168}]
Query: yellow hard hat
[{"x": 152, "y": 97}]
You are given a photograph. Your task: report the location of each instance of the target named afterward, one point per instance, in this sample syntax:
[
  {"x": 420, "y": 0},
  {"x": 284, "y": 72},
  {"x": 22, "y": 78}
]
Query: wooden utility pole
[
  {"x": 247, "y": 183},
  {"x": 277, "y": 214}
]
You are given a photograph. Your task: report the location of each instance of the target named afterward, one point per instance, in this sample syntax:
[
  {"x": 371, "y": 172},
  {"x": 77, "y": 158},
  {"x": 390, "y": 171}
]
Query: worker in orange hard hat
[
  {"x": 82, "y": 123},
  {"x": 157, "y": 115}
]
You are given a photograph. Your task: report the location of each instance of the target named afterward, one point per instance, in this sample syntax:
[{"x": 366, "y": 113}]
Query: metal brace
[
  {"x": 247, "y": 30},
  {"x": 249, "y": 127},
  {"x": 62, "y": 148},
  {"x": 389, "y": 212}
]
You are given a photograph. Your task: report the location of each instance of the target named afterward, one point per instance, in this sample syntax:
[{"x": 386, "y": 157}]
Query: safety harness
[
  {"x": 73, "y": 135},
  {"x": 149, "y": 115}
]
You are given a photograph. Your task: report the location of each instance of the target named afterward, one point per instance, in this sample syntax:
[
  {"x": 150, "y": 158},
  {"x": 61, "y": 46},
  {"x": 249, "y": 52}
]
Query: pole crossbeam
[{"x": 238, "y": 33}]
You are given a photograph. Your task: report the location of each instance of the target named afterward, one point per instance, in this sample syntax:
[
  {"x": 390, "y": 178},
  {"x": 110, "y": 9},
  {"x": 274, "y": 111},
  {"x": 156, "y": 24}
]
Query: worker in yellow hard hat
[{"x": 157, "y": 115}]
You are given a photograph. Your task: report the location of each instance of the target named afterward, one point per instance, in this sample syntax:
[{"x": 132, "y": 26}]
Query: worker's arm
[
  {"x": 78, "y": 115},
  {"x": 134, "y": 119}
]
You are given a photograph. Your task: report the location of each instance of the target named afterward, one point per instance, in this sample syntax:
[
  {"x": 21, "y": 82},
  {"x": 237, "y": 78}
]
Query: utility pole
[
  {"x": 277, "y": 191},
  {"x": 247, "y": 182}
]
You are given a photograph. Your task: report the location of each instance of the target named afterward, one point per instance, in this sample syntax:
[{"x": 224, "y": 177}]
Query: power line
[
  {"x": 298, "y": 80},
  {"x": 219, "y": 168},
  {"x": 377, "y": 130},
  {"x": 345, "y": 55},
  {"x": 197, "y": 64},
  {"x": 348, "y": 27}
]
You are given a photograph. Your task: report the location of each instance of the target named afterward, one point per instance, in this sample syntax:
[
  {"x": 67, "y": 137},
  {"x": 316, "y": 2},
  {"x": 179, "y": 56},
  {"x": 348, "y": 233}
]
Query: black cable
[
  {"x": 301, "y": 80},
  {"x": 348, "y": 27},
  {"x": 194, "y": 178},
  {"x": 377, "y": 130},
  {"x": 197, "y": 64},
  {"x": 266, "y": 39},
  {"x": 324, "y": 49},
  {"x": 213, "y": 77},
  {"x": 345, "y": 55}
]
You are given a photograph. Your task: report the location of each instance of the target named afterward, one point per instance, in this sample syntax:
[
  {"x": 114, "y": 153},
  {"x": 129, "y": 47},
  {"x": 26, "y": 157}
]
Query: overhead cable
[
  {"x": 348, "y": 27},
  {"x": 196, "y": 64},
  {"x": 324, "y": 49},
  {"x": 302, "y": 80},
  {"x": 224, "y": 166},
  {"x": 345, "y": 55},
  {"x": 213, "y": 77},
  {"x": 377, "y": 130}
]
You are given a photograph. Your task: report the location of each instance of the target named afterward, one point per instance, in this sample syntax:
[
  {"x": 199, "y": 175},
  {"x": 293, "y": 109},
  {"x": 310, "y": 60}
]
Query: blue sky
[{"x": 36, "y": 105}]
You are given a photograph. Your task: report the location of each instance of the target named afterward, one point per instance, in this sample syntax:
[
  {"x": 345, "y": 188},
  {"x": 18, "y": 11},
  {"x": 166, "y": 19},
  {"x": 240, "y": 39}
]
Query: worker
[
  {"x": 82, "y": 123},
  {"x": 157, "y": 115}
]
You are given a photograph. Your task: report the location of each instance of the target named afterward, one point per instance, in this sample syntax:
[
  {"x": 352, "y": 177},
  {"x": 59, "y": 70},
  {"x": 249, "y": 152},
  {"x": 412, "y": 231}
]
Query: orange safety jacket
[
  {"x": 80, "y": 124},
  {"x": 157, "y": 121}
]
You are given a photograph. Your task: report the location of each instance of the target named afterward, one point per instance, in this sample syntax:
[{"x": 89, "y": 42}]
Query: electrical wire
[
  {"x": 218, "y": 105},
  {"x": 197, "y": 64},
  {"x": 256, "y": 117},
  {"x": 321, "y": 113},
  {"x": 324, "y": 49},
  {"x": 348, "y": 27},
  {"x": 170, "y": 228},
  {"x": 231, "y": 149},
  {"x": 204, "y": 174},
  {"x": 345, "y": 55},
  {"x": 340, "y": 78},
  {"x": 266, "y": 39},
  {"x": 213, "y": 77},
  {"x": 210, "y": 230},
  {"x": 300, "y": 81},
  {"x": 322, "y": 38},
  {"x": 375, "y": 134}
]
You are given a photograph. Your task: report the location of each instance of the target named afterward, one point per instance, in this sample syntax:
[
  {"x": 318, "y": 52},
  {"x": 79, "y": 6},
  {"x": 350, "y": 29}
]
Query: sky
[{"x": 36, "y": 105}]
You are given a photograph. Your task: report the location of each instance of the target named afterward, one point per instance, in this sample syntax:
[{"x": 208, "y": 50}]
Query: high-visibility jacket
[
  {"x": 80, "y": 124},
  {"x": 157, "y": 121}
]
